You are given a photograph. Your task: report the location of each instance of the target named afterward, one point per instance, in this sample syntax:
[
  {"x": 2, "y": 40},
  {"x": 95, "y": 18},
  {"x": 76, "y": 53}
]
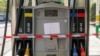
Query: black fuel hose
[
  {"x": 5, "y": 30},
  {"x": 19, "y": 16},
  {"x": 74, "y": 4},
  {"x": 73, "y": 7},
  {"x": 18, "y": 21}
]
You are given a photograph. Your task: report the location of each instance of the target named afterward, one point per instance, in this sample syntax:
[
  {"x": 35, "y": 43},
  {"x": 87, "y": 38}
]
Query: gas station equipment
[{"x": 52, "y": 28}]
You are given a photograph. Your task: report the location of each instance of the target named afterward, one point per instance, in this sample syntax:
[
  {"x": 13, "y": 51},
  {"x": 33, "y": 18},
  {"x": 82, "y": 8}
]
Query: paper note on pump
[{"x": 52, "y": 28}]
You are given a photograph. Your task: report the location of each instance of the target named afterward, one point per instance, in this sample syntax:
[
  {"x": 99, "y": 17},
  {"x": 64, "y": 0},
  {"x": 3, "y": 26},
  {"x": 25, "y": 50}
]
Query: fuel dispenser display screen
[{"x": 51, "y": 13}]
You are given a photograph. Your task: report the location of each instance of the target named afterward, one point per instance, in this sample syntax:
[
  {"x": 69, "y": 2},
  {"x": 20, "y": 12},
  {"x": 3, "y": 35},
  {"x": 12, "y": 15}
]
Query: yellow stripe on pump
[
  {"x": 97, "y": 18},
  {"x": 28, "y": 15}
]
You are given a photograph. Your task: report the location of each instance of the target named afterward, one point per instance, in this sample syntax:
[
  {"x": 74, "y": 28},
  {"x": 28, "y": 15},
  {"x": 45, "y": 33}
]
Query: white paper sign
[{"x": 52, "y": 28}]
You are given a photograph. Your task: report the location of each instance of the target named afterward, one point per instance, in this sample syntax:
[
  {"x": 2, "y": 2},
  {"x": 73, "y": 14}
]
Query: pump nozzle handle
[
  {"x": 82, "y": 51},
  {"x": 27, "y": 50},
  {"x": 75, "y": 51}
]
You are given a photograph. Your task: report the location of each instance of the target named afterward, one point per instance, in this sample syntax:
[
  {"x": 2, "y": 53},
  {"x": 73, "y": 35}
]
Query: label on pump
[
  {"x": 73, "y": 21},
  {"x": 52, "y": 28},
  {"x": 81, "y": 20},
  {"x": 28, "y": 21}
]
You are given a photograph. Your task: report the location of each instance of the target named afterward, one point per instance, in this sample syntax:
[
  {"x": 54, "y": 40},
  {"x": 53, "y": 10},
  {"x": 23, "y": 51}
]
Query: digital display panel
[{"x": 51, "y": 13}]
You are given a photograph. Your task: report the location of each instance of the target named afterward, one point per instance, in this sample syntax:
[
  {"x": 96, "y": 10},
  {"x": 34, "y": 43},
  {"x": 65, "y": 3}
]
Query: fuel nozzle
[
  {"x": 18, "y": 51},
  {"x": 82, "y": 51},
  {"x": 27, "y": 53},
  {"x": 75, "y": 53}
]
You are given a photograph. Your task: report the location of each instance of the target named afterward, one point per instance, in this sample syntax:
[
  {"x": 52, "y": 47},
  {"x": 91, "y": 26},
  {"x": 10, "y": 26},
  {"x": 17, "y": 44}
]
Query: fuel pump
[
  {"x": 77, "y": 25},
  {"x": 51, "y": 21}
]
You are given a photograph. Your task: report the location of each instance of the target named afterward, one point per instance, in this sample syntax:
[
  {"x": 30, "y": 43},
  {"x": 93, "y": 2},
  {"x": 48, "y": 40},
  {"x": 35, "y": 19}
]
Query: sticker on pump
[
  {"x": 28, "y": 14},
  {"x": 52, "y": 28}
]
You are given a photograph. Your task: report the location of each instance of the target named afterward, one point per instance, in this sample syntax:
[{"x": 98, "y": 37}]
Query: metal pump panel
[{"x": 48, "y": 20}]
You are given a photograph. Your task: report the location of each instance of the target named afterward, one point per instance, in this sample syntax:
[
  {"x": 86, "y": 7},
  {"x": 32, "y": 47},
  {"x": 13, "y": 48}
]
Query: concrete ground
[
  {"x": 94, "y": 44},
  {"x": 8, "y": 41}
]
